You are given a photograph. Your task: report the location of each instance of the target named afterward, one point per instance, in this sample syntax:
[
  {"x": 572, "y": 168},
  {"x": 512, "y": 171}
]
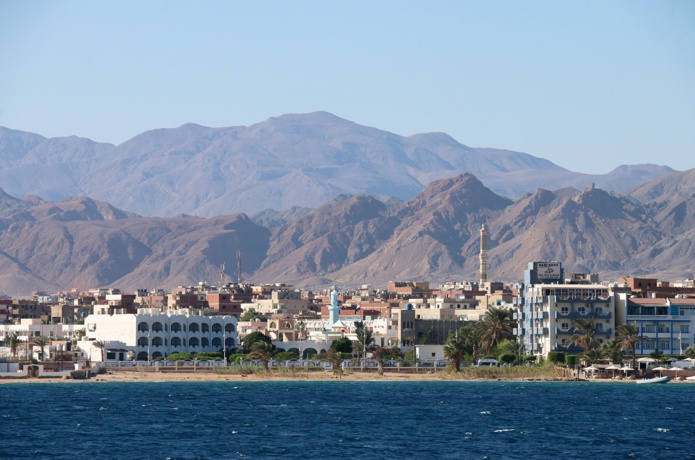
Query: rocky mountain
[
  {"x": 83, "y": 243},
  {"x": 293, "y": 160},
  {"x": 355, "y": 240}
]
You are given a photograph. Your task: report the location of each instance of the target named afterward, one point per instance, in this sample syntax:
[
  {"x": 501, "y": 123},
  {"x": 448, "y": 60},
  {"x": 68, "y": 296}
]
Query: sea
[{"x": 350, "y": 420}]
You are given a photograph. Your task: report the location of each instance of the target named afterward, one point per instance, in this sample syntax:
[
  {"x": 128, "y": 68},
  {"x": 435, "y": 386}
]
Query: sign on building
[{"x": 549, "y": 270}]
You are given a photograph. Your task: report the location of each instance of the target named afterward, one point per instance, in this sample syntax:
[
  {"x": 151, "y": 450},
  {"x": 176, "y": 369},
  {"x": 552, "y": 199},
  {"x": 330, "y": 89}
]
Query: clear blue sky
[{"x": 588, "y": 85}]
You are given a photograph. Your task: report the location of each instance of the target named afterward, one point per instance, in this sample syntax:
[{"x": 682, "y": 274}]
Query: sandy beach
[
  {"x": 140, "y": 375},
  {"x": 148, "y": 376}
]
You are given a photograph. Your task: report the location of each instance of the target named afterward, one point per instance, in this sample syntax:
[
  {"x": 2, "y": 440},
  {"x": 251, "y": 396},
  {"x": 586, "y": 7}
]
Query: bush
[
  {"x": 507, "y": 358},
  {"x": 571, "y": 360},
  {"x": 211, "y": 355},
  {"x": 180, "y": 357},
  {"x": 557, "y": 357},
  {"x": 286, "y": 356}
]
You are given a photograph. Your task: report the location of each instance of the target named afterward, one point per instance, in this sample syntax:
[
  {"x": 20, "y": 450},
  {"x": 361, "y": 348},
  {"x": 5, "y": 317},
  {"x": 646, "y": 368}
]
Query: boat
[
  {"x": 654, "y": 380},
  {"x": 692, "y": 377}
]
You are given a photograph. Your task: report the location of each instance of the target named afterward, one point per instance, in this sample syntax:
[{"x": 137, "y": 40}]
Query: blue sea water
[{"x": 355, "y": 420}]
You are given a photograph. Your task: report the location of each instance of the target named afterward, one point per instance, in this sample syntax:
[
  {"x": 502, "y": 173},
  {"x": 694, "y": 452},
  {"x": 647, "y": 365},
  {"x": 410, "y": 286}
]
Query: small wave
[
  {"x": 663, "y": 430},
  {"x": 503, "y": 430},
  {"x": 102, "y": 408},
  {"x": 486, "y": 412}
]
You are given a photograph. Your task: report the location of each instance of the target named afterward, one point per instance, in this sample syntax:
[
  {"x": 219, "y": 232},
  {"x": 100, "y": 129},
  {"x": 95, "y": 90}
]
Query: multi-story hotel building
[{"x": 549, "y": 308}]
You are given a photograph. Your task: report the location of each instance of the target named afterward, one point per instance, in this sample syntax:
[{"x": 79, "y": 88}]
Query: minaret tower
[
  {"x": 334, "y": 309},
  {"x": 483, "y": 255}
]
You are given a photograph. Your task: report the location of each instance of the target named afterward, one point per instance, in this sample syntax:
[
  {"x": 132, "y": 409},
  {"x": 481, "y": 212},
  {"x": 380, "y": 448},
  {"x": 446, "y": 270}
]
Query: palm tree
[
  {"x": 593, "y": 356},
  {"x": 657, "y": 354},
  {"x": 263, "y": 351},
  {"x": 495, "y": 327},
  {"x": 300, "y": 326},
  {"x": 100, "y": 346},
  {"x": 455, "y": 349},
  {"x": 382, "y": 354},
  {"x": 364, "y": 341},
  {"x": 42, "y": 342},
  {"x": 628, "y": 336},
  {"x": 584, "y": 334},
  {"x": 12, "y": 340},
  {"x": 690, "y": 352},
  {"x": 612, "y": 351},
  {"x": 336, "y": 360}
]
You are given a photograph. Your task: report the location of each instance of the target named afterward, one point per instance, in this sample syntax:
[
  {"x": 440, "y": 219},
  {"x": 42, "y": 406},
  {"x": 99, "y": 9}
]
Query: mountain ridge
[
  {"x": 80, "y": 242},
  {"x": 291, "y": 160}
]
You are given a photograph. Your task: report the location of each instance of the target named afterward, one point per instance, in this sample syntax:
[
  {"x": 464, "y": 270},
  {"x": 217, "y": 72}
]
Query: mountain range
[
  {"x": 288, "y": 162},
  {"x": 358, "y": 239}
]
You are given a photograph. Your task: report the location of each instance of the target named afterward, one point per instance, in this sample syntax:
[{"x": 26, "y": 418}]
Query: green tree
[
  {"x": 42, "y": 342},
  {"x": 264, "y": 351},
  {"x": 249, "y": 315},
  {"x": 507, "y": 346},
  {"x": 496, "y": 326},
  {"x": 628, "y": 335},
  {"x": 250, "y": 340},
  {"x": 342, "y": 345},
  {"x": 584, "y": 334},
  {"x": 12, "y": 341},
  {"x": 428, "y": 338},
  {"x": 612, "y": 351},
  {"x": 455, "y": 349}
]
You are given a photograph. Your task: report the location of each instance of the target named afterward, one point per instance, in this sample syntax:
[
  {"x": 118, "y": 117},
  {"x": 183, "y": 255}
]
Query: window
[
  {"x": 582, "y": 310},
  {"x": 565, "y": 326},
  {"x": 564, "y": 310}
]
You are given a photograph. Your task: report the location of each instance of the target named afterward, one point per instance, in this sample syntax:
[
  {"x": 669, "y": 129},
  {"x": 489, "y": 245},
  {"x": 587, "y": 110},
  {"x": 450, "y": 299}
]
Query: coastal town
[{"x": 630, "y": 327}]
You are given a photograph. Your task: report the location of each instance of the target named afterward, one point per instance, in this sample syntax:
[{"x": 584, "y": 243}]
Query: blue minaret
[{"x": 334, "y": 309}]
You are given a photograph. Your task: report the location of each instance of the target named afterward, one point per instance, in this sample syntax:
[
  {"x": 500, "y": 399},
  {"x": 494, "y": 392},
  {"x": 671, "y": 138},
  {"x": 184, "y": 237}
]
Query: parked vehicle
[{"x": 488, "y": 362}]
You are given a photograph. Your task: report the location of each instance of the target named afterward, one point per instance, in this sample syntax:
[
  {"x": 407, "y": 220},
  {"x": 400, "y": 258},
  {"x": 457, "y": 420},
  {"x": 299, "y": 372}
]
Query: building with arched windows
[{"x": 151, "y": 334}]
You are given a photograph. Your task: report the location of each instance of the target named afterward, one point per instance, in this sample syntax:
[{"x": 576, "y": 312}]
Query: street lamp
[{"x": 224, "y": 342}]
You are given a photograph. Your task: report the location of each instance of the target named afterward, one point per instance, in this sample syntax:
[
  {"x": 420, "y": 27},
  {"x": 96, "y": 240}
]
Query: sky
[{"x": 588, "y": 85}]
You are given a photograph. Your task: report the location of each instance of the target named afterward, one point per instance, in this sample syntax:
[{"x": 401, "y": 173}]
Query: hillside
[{"x": 80, "y": 242}]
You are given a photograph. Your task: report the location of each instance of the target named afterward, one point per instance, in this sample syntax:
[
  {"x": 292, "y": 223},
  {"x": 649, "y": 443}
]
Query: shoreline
[{"x": 188, "y": 376}]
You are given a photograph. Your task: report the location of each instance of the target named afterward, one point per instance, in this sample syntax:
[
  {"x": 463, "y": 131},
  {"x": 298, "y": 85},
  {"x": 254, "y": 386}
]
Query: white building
[
  {"x": 550, "y": 307},
  {"x": 152, "y": 334}
]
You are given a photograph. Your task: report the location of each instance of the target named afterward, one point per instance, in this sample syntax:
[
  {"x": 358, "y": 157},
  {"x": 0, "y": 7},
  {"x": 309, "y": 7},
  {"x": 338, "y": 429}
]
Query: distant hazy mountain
[
  {"x": 354, "y": 240},
  {"x": 284, "y": 162}
]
